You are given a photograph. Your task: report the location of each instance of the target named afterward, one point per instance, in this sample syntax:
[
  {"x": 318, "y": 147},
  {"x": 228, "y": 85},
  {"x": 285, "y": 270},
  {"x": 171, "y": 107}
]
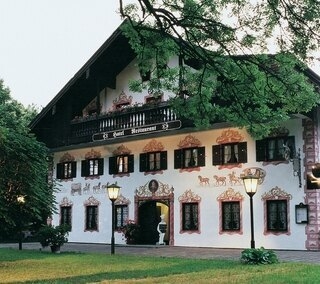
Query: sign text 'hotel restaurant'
[{"x": 158, "y": 127}]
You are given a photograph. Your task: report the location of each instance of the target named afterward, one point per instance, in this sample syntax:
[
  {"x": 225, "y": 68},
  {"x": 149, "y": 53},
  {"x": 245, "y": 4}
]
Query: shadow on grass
[
  {"x": 186, "y": 267},
  {"x": 12, "y": 254}
]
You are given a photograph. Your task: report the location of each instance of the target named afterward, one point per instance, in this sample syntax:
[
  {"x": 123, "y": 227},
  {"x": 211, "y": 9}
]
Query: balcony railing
[{"x": 83, "y": 129}]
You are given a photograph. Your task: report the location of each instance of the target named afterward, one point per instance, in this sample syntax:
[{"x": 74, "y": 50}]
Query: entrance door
[{"x": 149, "y": 217}]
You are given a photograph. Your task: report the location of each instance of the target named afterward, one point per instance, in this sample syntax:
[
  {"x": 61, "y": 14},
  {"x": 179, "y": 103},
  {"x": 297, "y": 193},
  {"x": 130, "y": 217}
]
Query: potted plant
[
  {"x": 53, "y": 236},
  {"x": 131, "y": 232}
]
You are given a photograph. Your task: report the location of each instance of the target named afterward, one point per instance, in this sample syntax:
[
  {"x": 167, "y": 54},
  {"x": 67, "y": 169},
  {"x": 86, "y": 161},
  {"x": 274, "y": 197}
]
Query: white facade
[{"x": 279, "y": 176}]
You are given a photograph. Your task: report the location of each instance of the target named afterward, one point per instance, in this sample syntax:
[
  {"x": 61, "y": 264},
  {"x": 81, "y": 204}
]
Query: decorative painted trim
[
  {"x": 153, "y": 146},
  {"x": 123, "y": 99},
  {"x": 121, "y": 150},
  {"x": 188, "y": 142},
  {"x": 91, "y": 201},
  {"x": 66, "y": 158},
  {"x": 65, "y": 202},
  {"x": 276, "y": 193},
  {"x": 154, "y": 188},
  {"x": 227, "y": 196},
  {"x": 255, "y": 171},
  {"x": 121, "y": 200},
  {"x": 229, "y": 136},
  {"x": 164, "y": 194},
  {"x": 92, "y": 155}
]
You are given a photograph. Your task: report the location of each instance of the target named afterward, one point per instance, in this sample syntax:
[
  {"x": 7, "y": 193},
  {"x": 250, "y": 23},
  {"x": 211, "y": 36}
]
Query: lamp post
[
  {"x": 251, "y": 184},
  {"x": 113, "y": 192},
  {"x": 21, "y": 201}
]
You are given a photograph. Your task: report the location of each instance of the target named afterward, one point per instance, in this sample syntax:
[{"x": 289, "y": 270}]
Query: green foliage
[
  {"x": 131, "y": 232},
  {"x": 23, "y": 169},
  {"x": 258, "y": 256},
  {"x": 232, "y": 81},
  {"x": 53, "y": 236},
  {"x": 34, "y": 266}
]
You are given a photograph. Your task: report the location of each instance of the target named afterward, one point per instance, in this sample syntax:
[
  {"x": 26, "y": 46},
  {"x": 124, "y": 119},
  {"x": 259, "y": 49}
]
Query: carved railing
[{"x": 82, "y": 129}]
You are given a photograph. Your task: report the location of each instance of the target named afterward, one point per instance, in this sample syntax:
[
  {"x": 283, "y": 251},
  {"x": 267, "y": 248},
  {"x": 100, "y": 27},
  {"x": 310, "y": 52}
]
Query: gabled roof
[{"x": 97, "y": 73}]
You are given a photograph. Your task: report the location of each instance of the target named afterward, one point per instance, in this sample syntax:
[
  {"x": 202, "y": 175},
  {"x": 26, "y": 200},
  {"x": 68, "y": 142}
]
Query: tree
[
  {"x": 226, "y": 72},
  {"x": 25, "y": 196}
]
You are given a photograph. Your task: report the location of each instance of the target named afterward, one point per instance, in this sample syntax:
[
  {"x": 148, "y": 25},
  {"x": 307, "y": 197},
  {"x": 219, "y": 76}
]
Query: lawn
[{"x": 28, "y": 266}]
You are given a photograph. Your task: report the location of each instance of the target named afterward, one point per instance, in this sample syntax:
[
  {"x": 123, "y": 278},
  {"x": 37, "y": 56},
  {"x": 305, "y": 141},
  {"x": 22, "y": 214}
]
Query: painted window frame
[
  {"x": 265, "y": 152},
  {"x": 92, "y": 167},
  {"x": 121, "y": 215},
  {"x": 114, "y": 165},
  {"x": 95, "y": 213},
  {"x": 66, "y": 215},
  {"x": 232, "y": 219},
  {"x": 238, "y": 153},
  {"x": 145, "y": 161},
  {"x": 66, "y": 170},
  {"x": 182, "y": 160}
]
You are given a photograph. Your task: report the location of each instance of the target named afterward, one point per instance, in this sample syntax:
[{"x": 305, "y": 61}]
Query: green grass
[{"x": 28, "y": 266}]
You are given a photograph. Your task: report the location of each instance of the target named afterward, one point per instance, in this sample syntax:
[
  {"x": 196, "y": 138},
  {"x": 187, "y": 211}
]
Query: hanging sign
[{"x": 146, "y": 129}]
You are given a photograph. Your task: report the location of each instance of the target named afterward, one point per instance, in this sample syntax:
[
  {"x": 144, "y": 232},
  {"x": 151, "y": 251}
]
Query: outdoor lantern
[
  {"x": 113, "y": 192},
  {"x": 21, "y": 201},
  {"x": 251, "y": 184}
]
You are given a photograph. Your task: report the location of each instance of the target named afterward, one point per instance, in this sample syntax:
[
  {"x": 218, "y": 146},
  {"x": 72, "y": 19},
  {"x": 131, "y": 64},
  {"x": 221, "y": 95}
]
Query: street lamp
[
  {"x": 113, "y": 192},
  {"x": 251, "y": 184},
  {"x": 21, "y": 201}
]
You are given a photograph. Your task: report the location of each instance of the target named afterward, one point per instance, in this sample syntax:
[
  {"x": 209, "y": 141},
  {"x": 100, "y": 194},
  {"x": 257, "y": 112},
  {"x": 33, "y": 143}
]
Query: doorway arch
[{"x": 151, "y": 200}]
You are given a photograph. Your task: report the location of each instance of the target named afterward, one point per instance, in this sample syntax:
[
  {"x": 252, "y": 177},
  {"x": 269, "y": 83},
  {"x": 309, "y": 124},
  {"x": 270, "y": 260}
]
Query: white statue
[{"x": 162, "y": 228}]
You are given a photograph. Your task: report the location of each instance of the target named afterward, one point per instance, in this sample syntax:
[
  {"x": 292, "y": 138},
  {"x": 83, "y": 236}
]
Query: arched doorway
[
  {"x": 149, "y": 214},
  {"x": 152, "y": 200}
]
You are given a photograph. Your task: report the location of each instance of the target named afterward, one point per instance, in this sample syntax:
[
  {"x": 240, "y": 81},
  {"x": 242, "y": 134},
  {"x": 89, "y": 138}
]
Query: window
[
  {"x": 189, "y": 158},
  {"x": 277, "y": 215},
  {"x": 121, "y": 164},
  {"x": 155, "y": 161},
  {"x": 65, "y": 215},
  {"x": 190, "y": 216},
  {"x": 121, "y": 215},
  {"x": 232, "y": 153},
  {"x": 66, "y": 170},
  {"x": 92, "y": 167},
  {"x": 91, "y": 218},
  {"x": 275, "y": 148},
  {"x": 231, "y": 216}
]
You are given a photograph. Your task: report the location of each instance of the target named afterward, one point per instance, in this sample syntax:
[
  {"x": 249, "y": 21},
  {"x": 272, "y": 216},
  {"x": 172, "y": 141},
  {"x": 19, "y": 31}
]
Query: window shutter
[
  {"x": 260, "y": 150},
  {"x": 84, "y": 168},
  {"x": 201, "y": 156},
  {"x": 130, "y": 163},
  {"x": 73, "y": 169},
  {"x": 60, "y": 171},
  {"x": 100, "y": 166},
  {"x": 113, "y": 165},
  {"x": 177, "y": 159},
  {"x": 216, "y": 155},
  {"x": 242, "y": 152},
  {"x": 143, "y": 162},
  {"x": 163, "y": 160}
]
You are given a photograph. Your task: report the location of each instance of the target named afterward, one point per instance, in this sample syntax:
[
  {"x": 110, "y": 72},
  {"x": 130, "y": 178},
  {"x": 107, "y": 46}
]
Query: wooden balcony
[{"x": 134, "y": 118}]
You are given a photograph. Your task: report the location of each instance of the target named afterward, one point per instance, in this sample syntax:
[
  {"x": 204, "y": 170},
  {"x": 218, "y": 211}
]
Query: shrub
[
  {"x": 258, "y": 256},
  {"x": 53, "y": 236},
  {"x": 131, "y": 232}
]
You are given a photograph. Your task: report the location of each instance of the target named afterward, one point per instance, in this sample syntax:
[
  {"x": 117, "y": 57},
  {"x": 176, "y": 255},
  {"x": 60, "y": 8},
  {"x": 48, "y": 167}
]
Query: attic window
[
  {"x": 193, "y": 63},
  {"x": 145, "y": 76}
]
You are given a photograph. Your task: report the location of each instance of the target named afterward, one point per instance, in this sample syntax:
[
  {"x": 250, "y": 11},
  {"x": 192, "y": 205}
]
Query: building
[{"x": 100, "y": 133}]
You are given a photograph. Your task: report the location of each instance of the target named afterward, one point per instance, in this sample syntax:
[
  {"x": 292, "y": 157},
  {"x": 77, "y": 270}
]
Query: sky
[{"x": 45, "y": 42}]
